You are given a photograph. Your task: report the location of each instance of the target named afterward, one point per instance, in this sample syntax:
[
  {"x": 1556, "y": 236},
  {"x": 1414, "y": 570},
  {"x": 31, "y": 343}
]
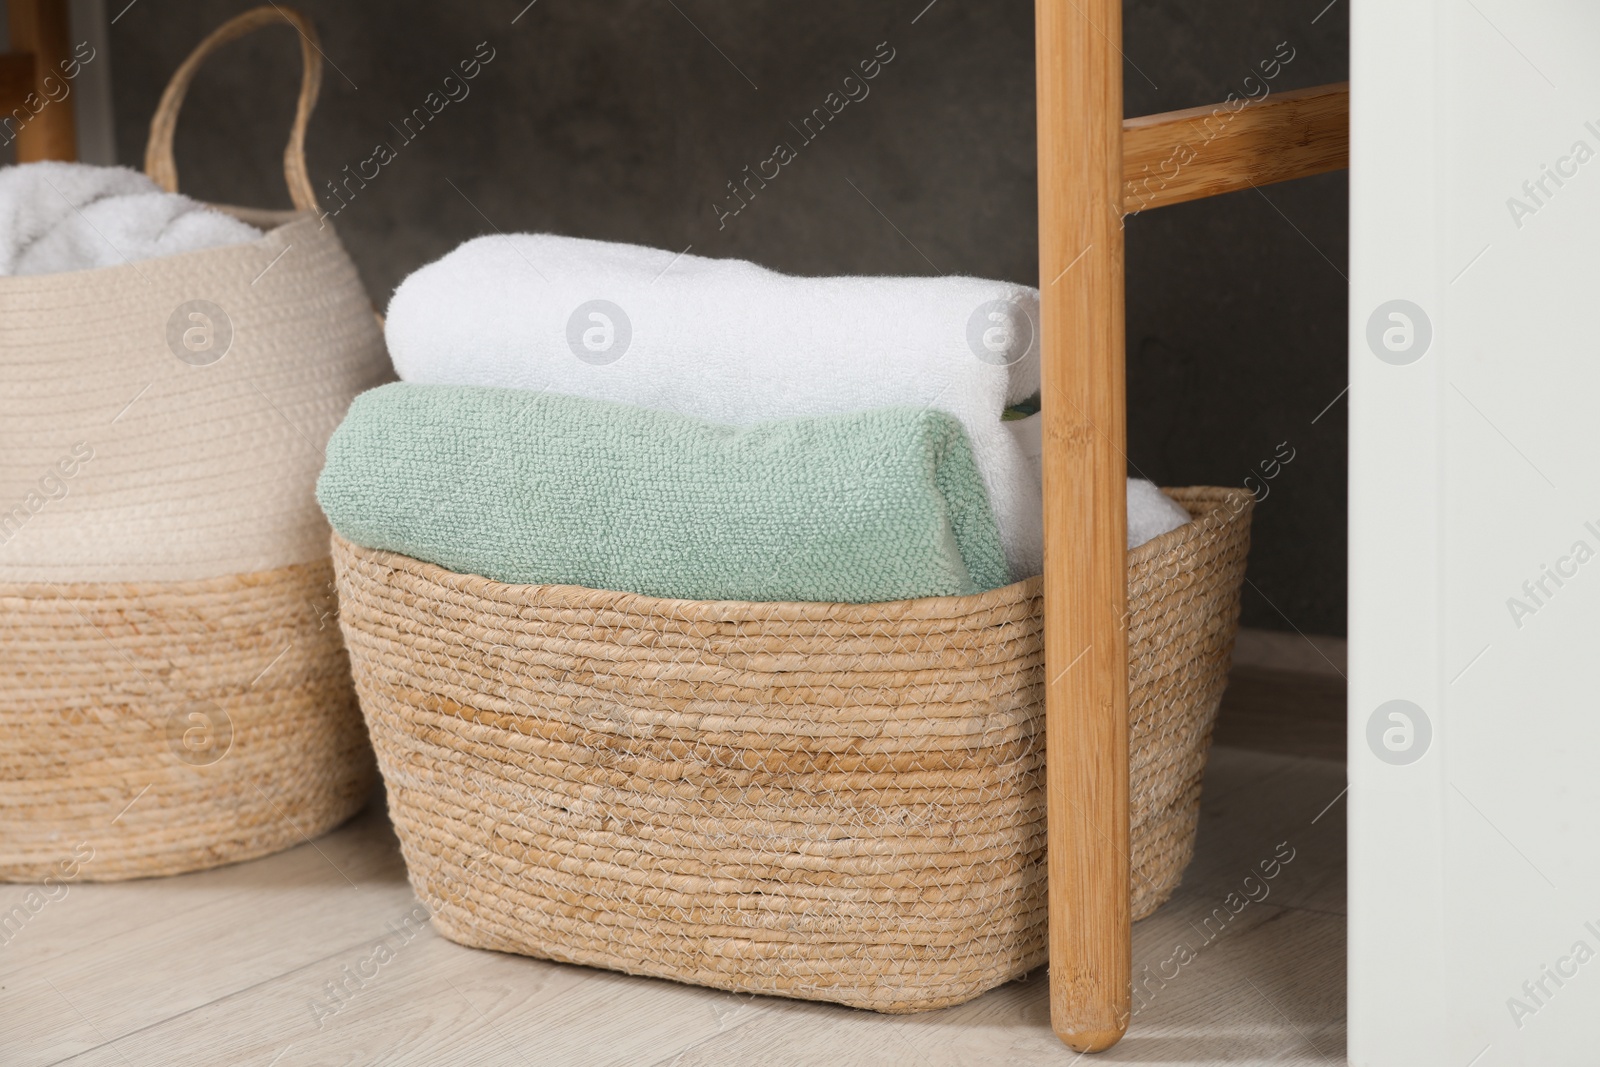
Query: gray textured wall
[{"x": 626, "y": 120}]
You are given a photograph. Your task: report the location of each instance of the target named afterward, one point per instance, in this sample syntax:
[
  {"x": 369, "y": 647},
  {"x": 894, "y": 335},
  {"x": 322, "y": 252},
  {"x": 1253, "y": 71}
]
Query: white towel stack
[
  {"x": 732, "y": 342},
  {"x": 58, "y": 217}
]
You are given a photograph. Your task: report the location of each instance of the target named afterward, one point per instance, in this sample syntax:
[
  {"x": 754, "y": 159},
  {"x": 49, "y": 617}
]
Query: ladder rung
[{"x": 1206, "y": 151}]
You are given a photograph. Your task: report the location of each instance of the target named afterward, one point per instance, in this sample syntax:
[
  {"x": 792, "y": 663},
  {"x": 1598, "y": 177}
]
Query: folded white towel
[
  {"x": 1151, "y": 512},
  {"x": 731, "y": 342},
  {"x": 57, "y": 217}
]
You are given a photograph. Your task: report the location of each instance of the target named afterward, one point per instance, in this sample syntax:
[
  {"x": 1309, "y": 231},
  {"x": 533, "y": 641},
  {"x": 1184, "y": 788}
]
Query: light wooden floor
[{"x": 227, "y": 967}]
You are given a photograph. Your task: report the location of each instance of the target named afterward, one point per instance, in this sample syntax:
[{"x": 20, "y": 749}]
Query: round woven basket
[
  {"x": 837, "y": 802},
  {"x": 174, "y": 691}
]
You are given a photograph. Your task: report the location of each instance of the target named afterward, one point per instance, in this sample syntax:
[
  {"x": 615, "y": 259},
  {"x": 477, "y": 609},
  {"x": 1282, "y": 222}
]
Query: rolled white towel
[
  {"x": 732, "y": 342},
  {"x": 57, "y": 217},
  {"x": 1151, "y": 512}
]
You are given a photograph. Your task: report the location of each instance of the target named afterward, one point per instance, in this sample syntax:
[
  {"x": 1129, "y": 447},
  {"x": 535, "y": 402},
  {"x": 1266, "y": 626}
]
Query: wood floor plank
[
  {"x": 1288, "y": 712},
  {"x": 362, "y": 852},
  {"x": 123, "y": 956},
  {"x": 435, "y": 1002},
  {"x": 1252, "y": 817}
]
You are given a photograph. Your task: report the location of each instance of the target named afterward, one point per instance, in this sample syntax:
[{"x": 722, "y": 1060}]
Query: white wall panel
[{"x": 1475, "y": 468}]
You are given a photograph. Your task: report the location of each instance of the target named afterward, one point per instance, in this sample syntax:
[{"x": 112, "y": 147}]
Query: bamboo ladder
[
  {"x": 39, "y": 43},
  {"x": 1094, "y": 167}
]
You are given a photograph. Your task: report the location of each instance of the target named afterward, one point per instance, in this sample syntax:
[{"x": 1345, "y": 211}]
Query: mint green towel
[{"x": 527, "y": 487}]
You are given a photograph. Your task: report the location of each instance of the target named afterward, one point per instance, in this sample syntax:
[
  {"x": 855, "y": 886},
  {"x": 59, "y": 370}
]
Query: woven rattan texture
[
  {"x": 165, "y": 727},
  {"x": 828, "y": 801}
]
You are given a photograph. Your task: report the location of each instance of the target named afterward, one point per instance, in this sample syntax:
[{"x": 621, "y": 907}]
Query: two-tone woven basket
[
  {"x": 174, "y": 692},
  {"x": 839, "y": 802}
]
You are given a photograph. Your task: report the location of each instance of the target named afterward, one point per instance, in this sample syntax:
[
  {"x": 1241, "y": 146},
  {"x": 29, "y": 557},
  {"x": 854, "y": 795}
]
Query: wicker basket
[
  {"x": 837, "y": 802},
  {"x": 174, "y": 692}
]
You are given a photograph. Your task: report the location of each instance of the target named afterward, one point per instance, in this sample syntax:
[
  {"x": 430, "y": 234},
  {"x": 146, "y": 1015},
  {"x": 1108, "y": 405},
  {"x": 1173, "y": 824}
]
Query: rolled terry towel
[
  {"x": 530, "y": 488},
  {"x": 57, "y": 217},
  {"x": 732, "y": 342},
  {"x": 1151, "y": 512}
]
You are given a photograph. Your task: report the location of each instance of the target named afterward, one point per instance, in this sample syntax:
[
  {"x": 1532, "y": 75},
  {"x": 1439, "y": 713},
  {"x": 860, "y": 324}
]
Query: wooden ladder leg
[
  {"x": 1085, "y": 516},
  {"x": 40, "y": 27}
]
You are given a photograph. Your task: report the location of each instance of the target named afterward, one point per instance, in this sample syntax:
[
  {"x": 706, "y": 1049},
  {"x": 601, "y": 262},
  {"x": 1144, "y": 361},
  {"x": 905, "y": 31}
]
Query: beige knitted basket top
[{"x": 141, "y": 443}]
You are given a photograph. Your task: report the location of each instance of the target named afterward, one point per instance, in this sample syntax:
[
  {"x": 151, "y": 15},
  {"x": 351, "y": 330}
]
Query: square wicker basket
[{"x": 837, "y": 802}]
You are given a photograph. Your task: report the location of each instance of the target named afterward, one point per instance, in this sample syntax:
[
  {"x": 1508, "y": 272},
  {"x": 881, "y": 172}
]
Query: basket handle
[{"x": 158, "y": 161}]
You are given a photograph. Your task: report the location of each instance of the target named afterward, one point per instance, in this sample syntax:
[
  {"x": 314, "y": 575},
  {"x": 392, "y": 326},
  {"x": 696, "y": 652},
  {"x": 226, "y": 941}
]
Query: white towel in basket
[
  {"x": 57, "y": 217},
  {"x": 732, "y": 342}
]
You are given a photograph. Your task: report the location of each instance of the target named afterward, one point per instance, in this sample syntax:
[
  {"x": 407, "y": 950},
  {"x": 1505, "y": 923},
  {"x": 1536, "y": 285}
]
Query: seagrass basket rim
[{"x": 1228, "y": 506}]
